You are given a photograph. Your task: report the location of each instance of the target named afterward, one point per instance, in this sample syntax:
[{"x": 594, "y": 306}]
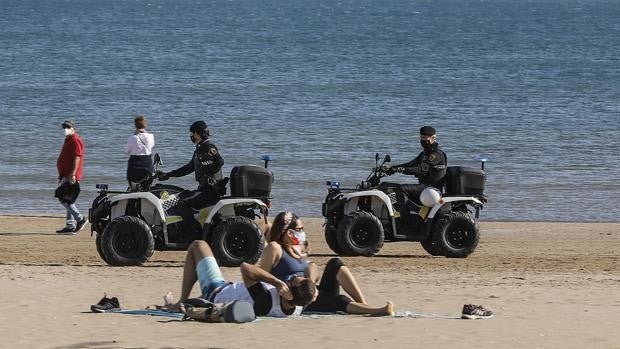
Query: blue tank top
[{"x": 289, "y": 267}]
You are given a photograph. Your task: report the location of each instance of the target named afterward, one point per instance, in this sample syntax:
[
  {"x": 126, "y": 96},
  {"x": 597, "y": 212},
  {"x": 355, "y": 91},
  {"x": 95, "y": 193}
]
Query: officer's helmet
[{"x": 201, "y": 128}]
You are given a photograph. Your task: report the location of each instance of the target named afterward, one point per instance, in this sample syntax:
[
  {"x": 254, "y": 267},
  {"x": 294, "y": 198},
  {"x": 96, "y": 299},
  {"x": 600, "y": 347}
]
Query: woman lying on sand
[{"x": 284, "y": 258}]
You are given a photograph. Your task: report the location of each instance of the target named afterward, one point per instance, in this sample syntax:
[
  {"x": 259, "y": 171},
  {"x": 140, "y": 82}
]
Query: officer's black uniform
[
  {"x": 429, "y": 166},
  {"x": 207, "y": 164}
]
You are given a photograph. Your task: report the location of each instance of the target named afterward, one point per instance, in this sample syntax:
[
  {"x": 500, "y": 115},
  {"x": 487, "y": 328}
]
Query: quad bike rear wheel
[
  {"x": 456, "y": 235},
  {"x": 331, "y": 237},
  {"x": 360, "y": 234},
  {"x": 237, "y": 240},
  {"x": 127, "y": 241},
  {"x": 100, "y": 249}
]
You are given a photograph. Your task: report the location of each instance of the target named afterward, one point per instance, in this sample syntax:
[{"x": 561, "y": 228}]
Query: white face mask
[
  {"x": 300, "y": 236},
  {"x": 68, "y": 131}
]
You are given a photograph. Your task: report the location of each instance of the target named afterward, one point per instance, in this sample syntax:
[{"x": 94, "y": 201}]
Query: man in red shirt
[{"x": 69, "y": 165}]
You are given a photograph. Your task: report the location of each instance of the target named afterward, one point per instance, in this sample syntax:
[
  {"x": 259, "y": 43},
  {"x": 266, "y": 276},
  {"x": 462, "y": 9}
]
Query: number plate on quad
[{"x": 424, "y": 212}]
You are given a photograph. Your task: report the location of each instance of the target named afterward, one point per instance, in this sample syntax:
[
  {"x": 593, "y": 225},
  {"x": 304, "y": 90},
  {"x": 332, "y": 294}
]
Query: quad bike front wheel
[
  {"x": 456, "y": 235},
  {"x": 430, "y": 246},
  {"x": 237, "y": 240},
  {"x": 127, "y": 241},
  {"x": 360, "y": 234}
]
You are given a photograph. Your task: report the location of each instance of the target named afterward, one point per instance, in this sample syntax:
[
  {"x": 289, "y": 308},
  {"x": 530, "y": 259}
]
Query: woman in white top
[{"x": 139, "y": 147}]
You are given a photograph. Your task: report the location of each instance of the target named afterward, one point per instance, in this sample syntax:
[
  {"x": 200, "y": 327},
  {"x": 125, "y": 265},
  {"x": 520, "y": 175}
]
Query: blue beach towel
[
  {"x": 305, "y": 315},
  {"x": 151, "y": 312}
]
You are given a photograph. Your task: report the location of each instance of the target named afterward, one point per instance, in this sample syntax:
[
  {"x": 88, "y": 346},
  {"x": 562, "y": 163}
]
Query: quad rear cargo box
[
  {"x": 464, "y": 181},
  {"x": 250, "y": 181}
]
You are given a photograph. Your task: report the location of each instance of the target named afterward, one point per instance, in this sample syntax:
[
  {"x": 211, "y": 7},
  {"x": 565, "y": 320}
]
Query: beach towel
[
  {"x": 397, "y": 314},
  {"x": 305, "y": 315},
  {"x": 200, "y": 310},
  {"x": 150, "y": 312}
]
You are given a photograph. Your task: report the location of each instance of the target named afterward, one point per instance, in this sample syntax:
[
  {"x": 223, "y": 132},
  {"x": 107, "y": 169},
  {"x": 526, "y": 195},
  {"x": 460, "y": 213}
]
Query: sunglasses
[{"x": 297, "y": 229}]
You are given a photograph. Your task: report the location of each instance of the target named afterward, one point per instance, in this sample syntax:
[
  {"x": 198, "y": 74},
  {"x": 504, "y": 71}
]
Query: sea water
[{"x": 322, "y": 86}]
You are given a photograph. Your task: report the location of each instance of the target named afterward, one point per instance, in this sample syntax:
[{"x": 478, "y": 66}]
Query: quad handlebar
[{"x": 377, "y": 172}]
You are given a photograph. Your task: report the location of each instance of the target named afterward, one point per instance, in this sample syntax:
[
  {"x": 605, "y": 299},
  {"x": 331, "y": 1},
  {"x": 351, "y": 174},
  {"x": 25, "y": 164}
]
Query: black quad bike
[
  {"x": 444, "y": 220},
  {"x": 129, "y": 226}
]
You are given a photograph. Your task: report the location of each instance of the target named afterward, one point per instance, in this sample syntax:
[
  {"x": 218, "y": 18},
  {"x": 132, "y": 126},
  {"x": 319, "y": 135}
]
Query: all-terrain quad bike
[
  {"x": 444, "y": 220},
  {"x": 131, "y": 225}
]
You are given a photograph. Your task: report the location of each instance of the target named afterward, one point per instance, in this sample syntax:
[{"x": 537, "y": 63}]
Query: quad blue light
[
  {"x": 266, "y": 159},
  {"x": 333, "y": 184}
]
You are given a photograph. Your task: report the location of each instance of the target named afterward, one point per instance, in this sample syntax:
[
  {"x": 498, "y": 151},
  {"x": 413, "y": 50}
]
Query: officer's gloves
[
  {"x": 391, "y": 170},
  {"x": 162, "y": 176}
]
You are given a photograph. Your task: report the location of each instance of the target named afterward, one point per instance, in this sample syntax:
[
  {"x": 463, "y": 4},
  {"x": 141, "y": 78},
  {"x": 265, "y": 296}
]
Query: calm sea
[{"x": 321, "y": 85}]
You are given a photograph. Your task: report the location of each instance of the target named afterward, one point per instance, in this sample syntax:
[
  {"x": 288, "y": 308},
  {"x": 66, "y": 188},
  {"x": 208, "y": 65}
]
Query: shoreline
[{"x": 58, "y": 215}]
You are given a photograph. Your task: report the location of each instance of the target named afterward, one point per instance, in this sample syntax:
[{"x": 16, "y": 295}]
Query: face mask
[
  {"x": 299, "y": 237},
  {"x": 68, "y": 131},
  {"x": 427, "y": 145},
  {"x": 192, "y": 138}
]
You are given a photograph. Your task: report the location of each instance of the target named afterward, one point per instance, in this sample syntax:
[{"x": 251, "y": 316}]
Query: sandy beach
[{"x": 551, "y": 285}]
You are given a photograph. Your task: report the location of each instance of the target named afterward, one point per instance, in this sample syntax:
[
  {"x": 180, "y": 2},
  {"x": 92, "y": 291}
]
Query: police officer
[
  {"x": 207, "y": 164},
  {"x": 429, "y": 166}
]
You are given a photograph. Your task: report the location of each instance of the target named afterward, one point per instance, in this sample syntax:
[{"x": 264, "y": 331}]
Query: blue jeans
[{"x": 73, "y": 215}]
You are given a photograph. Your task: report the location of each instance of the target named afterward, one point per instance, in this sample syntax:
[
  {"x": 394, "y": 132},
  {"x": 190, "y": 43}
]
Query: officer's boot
[{"x": 191, "y": 227}]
